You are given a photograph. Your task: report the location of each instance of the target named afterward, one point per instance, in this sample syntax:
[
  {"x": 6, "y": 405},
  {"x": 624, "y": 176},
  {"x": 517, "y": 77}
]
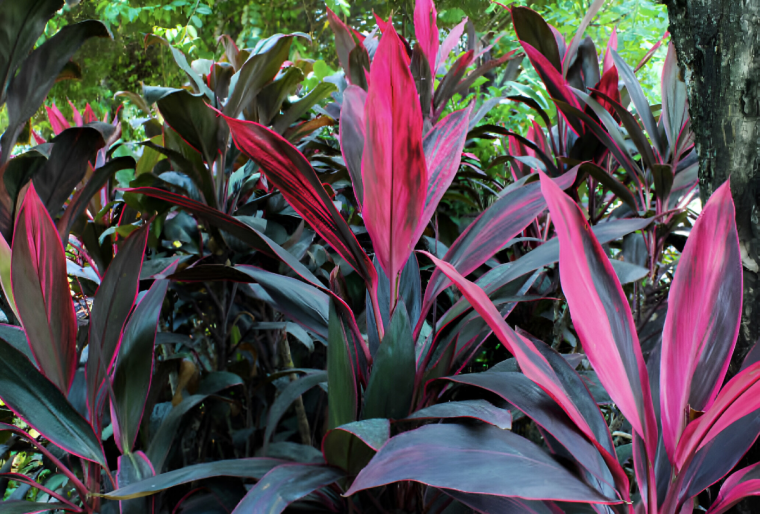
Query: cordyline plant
[{"x": 685, "y": 420}]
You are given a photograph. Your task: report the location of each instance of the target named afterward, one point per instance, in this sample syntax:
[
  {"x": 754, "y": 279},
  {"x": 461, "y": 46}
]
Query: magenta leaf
[
  {"x": 42, "y": 294},
  {"x": 740, "y": 485},
  {"x": 292, "y": 174},
  {"x": 394, "y": 173},
  {"x": 443, "y": 147},
  {"x": 498, "y": 462},
  {"x": 601, "y": 314},
  {"x": 426, "y": 30},
  {"x": 704, "y": 313}
]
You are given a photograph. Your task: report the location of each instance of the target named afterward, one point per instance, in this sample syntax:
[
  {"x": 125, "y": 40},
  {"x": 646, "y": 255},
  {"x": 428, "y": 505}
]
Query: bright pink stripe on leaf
[
  {"x": 601, "y": 314},
  {"x": 704, "y": 313}
]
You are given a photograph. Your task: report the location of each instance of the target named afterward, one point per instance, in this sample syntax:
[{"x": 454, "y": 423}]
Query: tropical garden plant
[{"x": 252, "y": 311}]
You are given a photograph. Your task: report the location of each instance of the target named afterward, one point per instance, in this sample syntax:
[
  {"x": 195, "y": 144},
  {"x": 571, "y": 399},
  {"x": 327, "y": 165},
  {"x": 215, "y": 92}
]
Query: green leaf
[
  {"x": 189, "y": 116},
  {"x": 132, "y": 378},
  {"x": 341, "y": 382},
  {"x": 287, "y": 396},
  {"x": 21, "y": 25},
  {"x": 162, "y": 441},
  {"x": 391, "y": 384},
  {"x": 352, "y": 446},
  {"x": 42, "y": 405}
]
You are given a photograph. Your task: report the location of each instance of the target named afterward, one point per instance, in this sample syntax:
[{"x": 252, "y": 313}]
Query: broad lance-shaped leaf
[
  {"x": 532, "y": 362},
  {"x": 497, "y": 461},
  {"x": 639, "y": 101},
  {"x": 531, "y": 28},
  {"x": 352, "y": 127},
  {"x": 443, "y": 147},
  {"x": 132, "y": 468},
  {"x": 37, "y": 74},
  {"x": 20, "y": 27},
  {"x": 474, "y": 409},
  {"x": 345, "y": 40},
  {"x": 704, "y": 314},
  {"x": 255, "y": 468},
  {"x": 351, "y": 446},
  {"x": 112, "y": 303},
  {"x": 485, "y": 236},
  {"x": 675, "y": 105},
  {"x": 42, "y": 294},
  {"x": 134, "y": 370},
  {"x": 287, "y": 396},
  {"x": 426, "y": 30},
  {"x": 292, "y": 174},
  {"x": 42, "y": 405},
  {"x": 601, "y": 314},
  {"x": 391, "y": 383},
  {"x": 556, "y": 85},
  {"x": 394, "y": 173},
  {"x": 341, "y": 377},
  {"x": 284, "y": 485}
]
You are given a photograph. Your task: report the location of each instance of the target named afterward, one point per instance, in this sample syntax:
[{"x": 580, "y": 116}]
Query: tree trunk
[{"x": 716, "y": 43}]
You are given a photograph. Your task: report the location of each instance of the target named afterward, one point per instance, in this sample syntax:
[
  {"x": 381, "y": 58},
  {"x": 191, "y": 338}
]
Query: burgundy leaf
[
  {"x": 497, "y": 461},
  {"x": 344, "y": 39},
  {"x": 41, "y": 291},
  {"x": 491, "y": 231},
  {"x": 352, "y": 128},
  {"x": 704, "y": 314},
  {"x": 112, "y": 304}
]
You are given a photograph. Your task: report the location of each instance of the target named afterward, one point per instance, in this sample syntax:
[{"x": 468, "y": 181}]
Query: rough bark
[{"x": 717, "y": 42}]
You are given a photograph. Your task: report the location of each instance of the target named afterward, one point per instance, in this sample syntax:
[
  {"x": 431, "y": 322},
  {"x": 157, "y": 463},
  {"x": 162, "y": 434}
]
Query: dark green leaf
[
  {"x": 341, "y": 379},
  {"x": 42, "y": 405},
  {"x": 391, "y": 384},
  {"x": 287, "y": 396},
  {"x": 351, "y": 446}
]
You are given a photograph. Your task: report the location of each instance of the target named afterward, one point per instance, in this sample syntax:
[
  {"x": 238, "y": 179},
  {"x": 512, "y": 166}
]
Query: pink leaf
[
  {"x": 443, "y": 147},
  {"x": 451, "y": 41},
  {"x": 601, "y": 314},
  {"x": 77, "y": 116},
  {"x": 743, "y": 483},
  {"x": 704, "y": 314},
  {"x": 426, "y": 30},
  {"x": 612, "y": 44},
  {"x": 532, "y": 363},
  {"x": 57, "y": 120},
  {"x": 394, "y": 173}
]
